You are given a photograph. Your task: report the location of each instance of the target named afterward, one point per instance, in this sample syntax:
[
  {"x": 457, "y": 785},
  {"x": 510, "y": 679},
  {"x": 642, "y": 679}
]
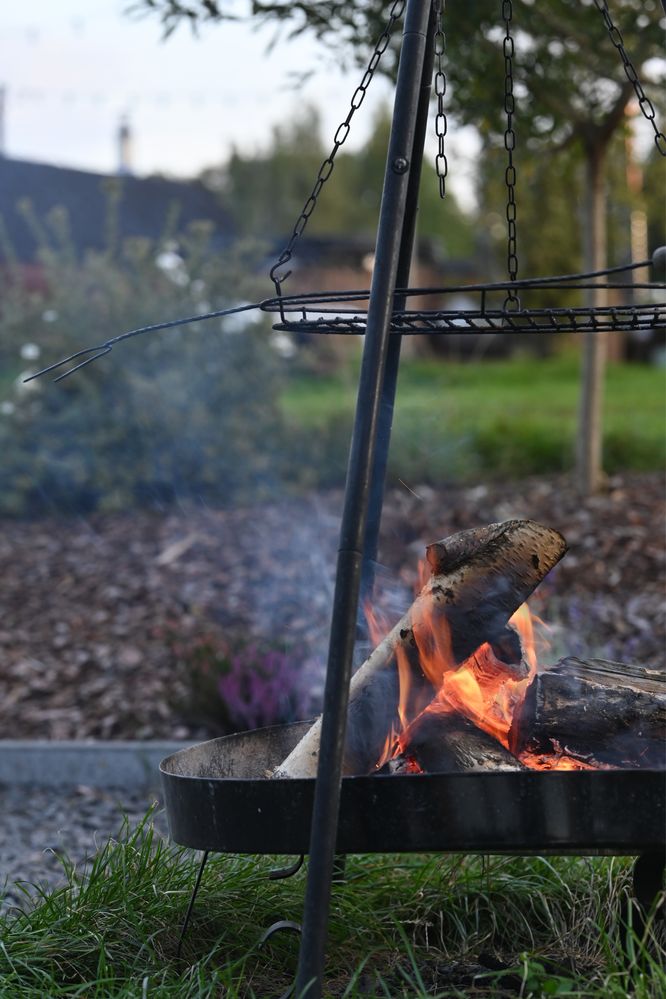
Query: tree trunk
[{"x": 589, "y": 467}]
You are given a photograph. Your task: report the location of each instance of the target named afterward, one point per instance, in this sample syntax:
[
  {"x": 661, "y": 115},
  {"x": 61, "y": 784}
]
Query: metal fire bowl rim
[
  {"x": 621, "y": 812},
  {"x": 300, "y": 727}
]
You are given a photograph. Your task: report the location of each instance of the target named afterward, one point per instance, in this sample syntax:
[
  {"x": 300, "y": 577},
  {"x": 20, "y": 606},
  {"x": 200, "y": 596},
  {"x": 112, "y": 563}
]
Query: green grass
[
  {"x": 462, "y": 422},
  {"x": 399, "y": 922}
]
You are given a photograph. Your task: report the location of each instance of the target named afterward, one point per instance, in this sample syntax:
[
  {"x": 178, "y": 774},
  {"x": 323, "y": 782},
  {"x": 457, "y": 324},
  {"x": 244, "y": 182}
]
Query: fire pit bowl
[{"x": 218, "y": 798}]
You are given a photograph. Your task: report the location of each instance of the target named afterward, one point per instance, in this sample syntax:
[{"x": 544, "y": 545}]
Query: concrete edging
[{"x": 95, "y": 764}]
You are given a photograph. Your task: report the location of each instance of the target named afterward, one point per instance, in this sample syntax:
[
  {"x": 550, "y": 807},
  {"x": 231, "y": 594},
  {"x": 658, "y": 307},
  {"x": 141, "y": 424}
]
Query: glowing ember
[{"x": 557, "y": 761}]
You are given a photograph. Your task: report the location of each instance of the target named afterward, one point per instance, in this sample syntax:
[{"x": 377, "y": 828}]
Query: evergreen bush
[{"x": 189, "y": 413}]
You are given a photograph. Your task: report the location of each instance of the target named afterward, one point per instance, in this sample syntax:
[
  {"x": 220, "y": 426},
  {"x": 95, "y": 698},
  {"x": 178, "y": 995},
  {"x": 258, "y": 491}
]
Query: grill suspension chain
[{"x": 340, "y": 137}]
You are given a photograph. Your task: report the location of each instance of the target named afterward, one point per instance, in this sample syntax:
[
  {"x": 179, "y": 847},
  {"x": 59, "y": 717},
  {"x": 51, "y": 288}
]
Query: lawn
[
  {"x": 465, "y": 422},
  {"x": 406, "y": 926}
]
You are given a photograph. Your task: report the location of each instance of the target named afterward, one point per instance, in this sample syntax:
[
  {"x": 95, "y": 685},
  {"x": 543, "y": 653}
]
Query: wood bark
[
  {"x": 447, "y": 742},
  {"x": 480, "y": 579},
  {"x": 610, "y": 712}
]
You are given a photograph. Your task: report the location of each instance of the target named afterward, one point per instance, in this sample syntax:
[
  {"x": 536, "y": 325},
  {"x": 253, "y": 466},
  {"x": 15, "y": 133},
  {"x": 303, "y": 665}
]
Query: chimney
[
  {"x": 3, "y": 95},
  {"x": 124, "y": 148}
]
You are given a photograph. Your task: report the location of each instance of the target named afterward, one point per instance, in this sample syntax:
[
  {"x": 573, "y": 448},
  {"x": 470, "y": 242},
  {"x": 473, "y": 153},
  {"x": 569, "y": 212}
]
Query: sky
[{"x": 73, "y": 68}]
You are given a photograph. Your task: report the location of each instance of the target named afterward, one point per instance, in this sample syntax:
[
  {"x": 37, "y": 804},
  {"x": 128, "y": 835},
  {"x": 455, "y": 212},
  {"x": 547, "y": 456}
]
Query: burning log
[
  {"x": 446, "y": 742},
  {"x": 479, "y": 580},
  {"x": 594, "y": 709}
]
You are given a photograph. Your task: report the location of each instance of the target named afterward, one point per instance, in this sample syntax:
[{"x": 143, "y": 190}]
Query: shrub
[{"x": 189, "y": 413}]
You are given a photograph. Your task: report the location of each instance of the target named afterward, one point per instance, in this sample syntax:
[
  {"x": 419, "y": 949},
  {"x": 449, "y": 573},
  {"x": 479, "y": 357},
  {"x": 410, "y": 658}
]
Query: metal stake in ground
[{"x": 354, "y": 518}]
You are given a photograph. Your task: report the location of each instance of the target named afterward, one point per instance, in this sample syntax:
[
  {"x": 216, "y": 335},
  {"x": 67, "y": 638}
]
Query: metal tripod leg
[
  {"x": 402, "y": 150},
  {"x": 390, "y": 383}
]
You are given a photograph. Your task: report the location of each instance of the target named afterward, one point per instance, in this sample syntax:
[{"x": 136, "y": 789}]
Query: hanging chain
[
  {"x": 326, "y": 169},
  {"x": 512, "y": 301},
  {"x": 441, "y": 127},
  {"x": 644, "y": 102}
]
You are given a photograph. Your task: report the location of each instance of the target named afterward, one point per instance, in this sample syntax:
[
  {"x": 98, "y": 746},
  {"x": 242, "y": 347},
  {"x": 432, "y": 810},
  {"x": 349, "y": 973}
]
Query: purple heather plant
[{"x": 262, "y": 686}]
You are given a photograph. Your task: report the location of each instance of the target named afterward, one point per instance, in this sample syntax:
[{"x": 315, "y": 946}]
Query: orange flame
[{"x": 483, "y": 689}]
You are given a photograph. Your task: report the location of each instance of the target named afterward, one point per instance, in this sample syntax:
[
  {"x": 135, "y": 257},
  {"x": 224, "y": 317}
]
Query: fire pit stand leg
[
  {"x": 649, "y": 880},
  {"x": 648, "y": 884},
  {"x": 402, "y": 152},
  {"x": 193, "y": 898}
]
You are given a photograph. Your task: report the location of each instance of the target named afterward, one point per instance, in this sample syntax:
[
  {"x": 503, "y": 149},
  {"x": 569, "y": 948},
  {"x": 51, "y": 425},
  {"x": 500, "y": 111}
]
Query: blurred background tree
[
  {"x": 200, "y": 413},
  {"x": 265, "y": 191},
  {"x": 571, "y": 92}
]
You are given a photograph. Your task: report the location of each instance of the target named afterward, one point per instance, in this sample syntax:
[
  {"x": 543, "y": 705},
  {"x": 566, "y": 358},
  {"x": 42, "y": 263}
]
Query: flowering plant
[{"x": 247, "y": 684}]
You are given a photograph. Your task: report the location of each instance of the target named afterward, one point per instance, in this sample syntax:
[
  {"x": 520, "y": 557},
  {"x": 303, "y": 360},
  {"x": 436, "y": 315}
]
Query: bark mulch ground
[{"x": 103, "y": 618}]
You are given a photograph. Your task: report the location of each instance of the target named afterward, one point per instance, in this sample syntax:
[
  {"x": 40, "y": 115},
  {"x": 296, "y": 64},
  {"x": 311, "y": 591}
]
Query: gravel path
[{"x": 40, "y": 825}]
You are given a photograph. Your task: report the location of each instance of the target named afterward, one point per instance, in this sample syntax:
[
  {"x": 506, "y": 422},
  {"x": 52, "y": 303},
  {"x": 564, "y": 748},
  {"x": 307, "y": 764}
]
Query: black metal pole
[
  {"x": 354, "y": 517},
  {"x": 387, "y": 402}
]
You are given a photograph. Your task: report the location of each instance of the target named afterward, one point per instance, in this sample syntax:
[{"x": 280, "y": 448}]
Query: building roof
[{"x": 144, "y": 207}]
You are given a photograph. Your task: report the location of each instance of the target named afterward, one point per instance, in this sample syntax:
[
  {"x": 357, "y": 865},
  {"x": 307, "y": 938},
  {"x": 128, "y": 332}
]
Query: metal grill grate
[{"x": 328, "y": 312}]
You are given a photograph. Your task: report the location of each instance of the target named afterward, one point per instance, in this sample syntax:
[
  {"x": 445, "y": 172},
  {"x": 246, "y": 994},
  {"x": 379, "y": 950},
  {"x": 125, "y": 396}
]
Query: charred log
[
  {"x": 447, "y": 742},
  {"x": 594, "y": 709},
  {"x": 508, "y": 650},
  {"x": 480, "y": 579}
]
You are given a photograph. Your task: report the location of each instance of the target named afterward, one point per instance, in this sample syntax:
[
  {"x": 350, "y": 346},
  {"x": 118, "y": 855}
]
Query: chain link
[
  {"x": 326, "y": 169},
  {"x": 644, "y": 102},
  {"x": 441, "y": 126},
  {"x": 512, "y": 301}
]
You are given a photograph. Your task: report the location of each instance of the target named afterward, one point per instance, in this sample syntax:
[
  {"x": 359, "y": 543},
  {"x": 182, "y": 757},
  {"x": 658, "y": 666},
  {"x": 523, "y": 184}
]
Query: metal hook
[
  {"x": 100, "y": 353},
  {"x": 276, "y": 278},
  {"x": 97, "y": 351},
  {"x": 277, "y": 281},
  {"x": 287, "y": 872},
  {"x": 511, "y": 304},
  {"x": 104, "y": 348},
  {"x": 281, "y": 924}
]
